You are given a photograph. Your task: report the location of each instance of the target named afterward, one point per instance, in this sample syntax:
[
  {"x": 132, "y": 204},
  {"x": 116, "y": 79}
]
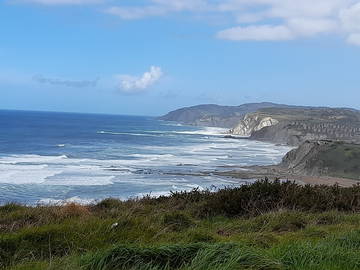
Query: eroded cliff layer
[{"x": 293, "y": 126}]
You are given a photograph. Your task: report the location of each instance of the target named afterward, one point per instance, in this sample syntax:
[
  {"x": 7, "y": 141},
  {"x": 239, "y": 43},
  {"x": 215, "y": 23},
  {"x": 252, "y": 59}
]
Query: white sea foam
[
  {"x": 152, "y": 156},
  {"x": 173, "y": 124},
  {"x": 206, "y": 131},
  {"x": 194, "y": 186},
  {"x": 79, "y": 180},
  {"x": 155, "y": 194},
  {"x": 25, "y": 174},
  {"x": 63, "y": 170},
  {"x": 14, "y": 159},
  {"x": 57, "y": 170},
  {"x": 77, "y": 200}
]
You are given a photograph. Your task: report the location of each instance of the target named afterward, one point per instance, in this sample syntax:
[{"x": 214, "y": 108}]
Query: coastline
[
  {"x": 300, "y": 179},
  {"x": 272, "y": 172},
  {"x": 254, "y": 173}
]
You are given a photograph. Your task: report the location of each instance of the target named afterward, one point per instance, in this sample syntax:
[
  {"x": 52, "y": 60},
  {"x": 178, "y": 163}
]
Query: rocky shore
[
  {"x": 276, "y": 123},
  {"x": 313, "y": 162},
  {"x": 327, "y": 139}
]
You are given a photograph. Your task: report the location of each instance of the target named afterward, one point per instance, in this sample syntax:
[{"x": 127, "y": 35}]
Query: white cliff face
[{"x": 252, "y": 123}]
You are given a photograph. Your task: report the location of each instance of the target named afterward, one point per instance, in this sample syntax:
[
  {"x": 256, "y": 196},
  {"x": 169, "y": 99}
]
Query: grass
[
  {"x": 267, "y": 225},
  {"x": 341, "y": 160}
]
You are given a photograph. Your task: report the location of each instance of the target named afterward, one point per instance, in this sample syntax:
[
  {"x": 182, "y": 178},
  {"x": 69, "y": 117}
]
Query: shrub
[
  {"x": 177, "y": 221},
  {"x": 265, "y": 196},
  {"x": 73, "y": 210},
  {"x": 109, "y": 203},
  {"x": 11, "y": 207}
]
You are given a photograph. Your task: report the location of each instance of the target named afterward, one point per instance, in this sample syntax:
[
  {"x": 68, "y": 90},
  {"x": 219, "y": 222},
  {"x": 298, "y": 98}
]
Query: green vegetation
[
  {"x": 341, "y": 160},
  {"x": 313, "y": 114},
  {"x": 264, "y": 226}
]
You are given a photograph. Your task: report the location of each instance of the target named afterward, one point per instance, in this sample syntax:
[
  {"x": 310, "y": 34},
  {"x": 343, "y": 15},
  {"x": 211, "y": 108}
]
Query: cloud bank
[
  {"x": 157, "y": 8},
  {"x": 60, "y": 2},
  {"x": 262, "y": 20},
  {"x": 253, "y": 20},
  {"x": 136, "y": 84},
  {"x": 65, "y": 82}
]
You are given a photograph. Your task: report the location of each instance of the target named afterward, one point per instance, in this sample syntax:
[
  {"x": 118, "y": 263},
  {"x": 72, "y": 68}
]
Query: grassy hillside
[
  {"x": 216, "y": 115},
  {"x": 341, "y": 160},
  {"x": 327, "y": 158},
  {"x": 261, "y": 226},
  {"x": 312, "y": 114}
]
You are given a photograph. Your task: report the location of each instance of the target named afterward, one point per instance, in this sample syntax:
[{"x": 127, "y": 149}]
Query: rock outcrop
[
  {"x": 301, "y": 160},
  {"x": 253, "y": 123}
]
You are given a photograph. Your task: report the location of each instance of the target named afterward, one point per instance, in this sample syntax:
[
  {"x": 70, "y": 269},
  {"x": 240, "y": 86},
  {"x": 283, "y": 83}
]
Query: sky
[{"x": 147, "y": 57}]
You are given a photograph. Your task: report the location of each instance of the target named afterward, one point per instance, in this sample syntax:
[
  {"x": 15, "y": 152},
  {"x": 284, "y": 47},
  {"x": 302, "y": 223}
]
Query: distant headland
[{"x": 277, "y": 123}]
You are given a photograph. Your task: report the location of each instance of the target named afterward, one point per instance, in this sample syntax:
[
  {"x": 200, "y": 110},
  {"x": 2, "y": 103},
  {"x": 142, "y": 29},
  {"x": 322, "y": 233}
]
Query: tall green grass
[{"x": 267, "y": 225}]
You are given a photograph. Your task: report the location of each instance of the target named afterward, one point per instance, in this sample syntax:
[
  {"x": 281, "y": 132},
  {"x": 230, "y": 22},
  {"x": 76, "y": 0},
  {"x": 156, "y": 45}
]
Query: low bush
[
  {"x": 177, "y": 221},
  {"x": 266, "y": 196}
]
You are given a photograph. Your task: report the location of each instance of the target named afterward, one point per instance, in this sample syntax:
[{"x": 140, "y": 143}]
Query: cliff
[
  {"x": 324, "y": 158},
  {"x": 294, "y": 125},
  {"x": 275, "y": 123},
  {"x": 252, "y": 123}
]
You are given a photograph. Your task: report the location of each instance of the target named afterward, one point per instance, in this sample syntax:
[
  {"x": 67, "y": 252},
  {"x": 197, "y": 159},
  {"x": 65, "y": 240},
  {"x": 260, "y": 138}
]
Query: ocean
[{"x": 48, "y": 157}]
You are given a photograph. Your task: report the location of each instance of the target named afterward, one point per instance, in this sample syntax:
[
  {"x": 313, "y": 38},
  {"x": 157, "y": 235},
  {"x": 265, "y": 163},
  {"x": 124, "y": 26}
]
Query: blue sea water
[{"x": 48, "y": 157}]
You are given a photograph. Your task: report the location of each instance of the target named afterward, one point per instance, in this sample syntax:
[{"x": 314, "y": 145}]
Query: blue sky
[{"x": 149, "y": 57}]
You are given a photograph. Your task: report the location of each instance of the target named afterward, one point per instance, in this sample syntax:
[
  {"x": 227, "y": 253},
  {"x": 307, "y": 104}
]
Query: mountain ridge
[{"x": 214, "y": 115}]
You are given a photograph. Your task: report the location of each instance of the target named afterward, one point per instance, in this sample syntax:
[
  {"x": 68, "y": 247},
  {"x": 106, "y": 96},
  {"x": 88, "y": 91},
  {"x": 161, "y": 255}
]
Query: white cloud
[
  {"x": 179, "y": 5},
  {"x": 132, "y": 13},
  {"x": 303, "y": 19},
  {"x": 304, "y": 8},
  {"x": 157, "y": 8},
  {"x": 250, "y": 17},
  {"x": 65, "y": 82},
  {"x": 135, "y": 84},
  {"x": 61, "y": 2},
  {"x": 350, "y": 18},
  {"x": 308, "y": 27},
  {"x": 259, "y": 20},
  {"x": 294, "y": 28},
  {"x": 259, "y": 33},
  {"x": 354, "y": 39}
]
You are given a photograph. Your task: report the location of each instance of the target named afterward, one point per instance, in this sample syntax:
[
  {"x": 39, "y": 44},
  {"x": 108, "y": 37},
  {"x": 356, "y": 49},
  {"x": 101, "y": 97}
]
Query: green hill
[{"x": 325, "y": 158}]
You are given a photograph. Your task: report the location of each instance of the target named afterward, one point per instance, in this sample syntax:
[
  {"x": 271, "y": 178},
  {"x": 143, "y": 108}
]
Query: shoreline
[{"x": 274, "y": 172}]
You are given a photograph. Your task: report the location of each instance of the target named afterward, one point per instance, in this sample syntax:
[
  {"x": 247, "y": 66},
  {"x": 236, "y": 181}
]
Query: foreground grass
[{"x": 262, "y": 226}]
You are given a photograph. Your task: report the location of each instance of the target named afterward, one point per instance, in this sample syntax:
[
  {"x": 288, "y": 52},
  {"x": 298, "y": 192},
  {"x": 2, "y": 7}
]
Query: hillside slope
[{"x": 324, "y": 158}]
